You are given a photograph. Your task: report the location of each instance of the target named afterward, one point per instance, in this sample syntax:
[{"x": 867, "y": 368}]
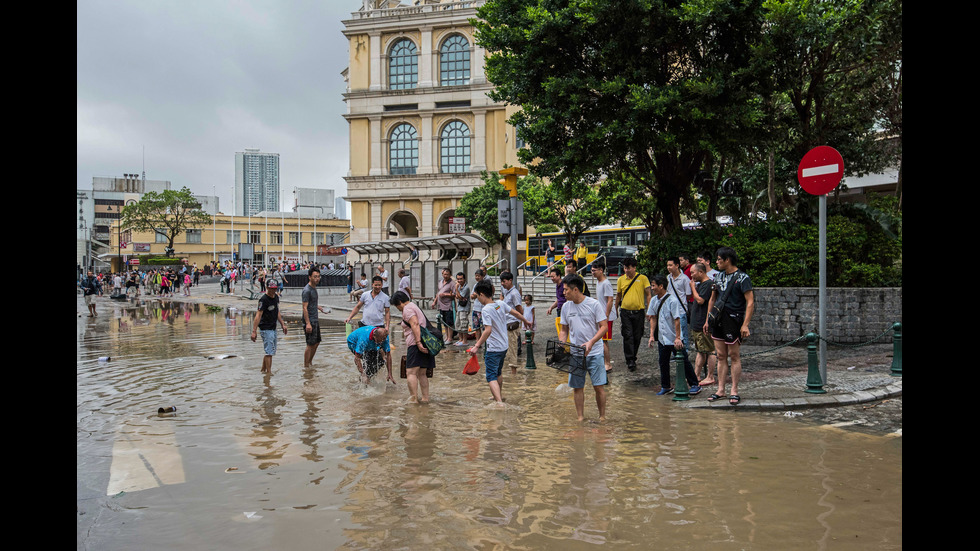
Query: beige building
[
  {"x": 276, "y": 237},
  {"x": 421, "y": 125}
]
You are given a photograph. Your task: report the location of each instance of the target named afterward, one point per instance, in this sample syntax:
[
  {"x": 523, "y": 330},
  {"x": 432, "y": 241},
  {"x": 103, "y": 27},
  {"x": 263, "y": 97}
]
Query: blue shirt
[{"x": 360, "y": 341}]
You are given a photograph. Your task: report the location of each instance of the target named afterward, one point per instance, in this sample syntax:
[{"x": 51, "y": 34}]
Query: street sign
[
  {"x": 457, "y": 224},
  {"x": 821, "y": 170},
  {"x": 503, "y": 216}
]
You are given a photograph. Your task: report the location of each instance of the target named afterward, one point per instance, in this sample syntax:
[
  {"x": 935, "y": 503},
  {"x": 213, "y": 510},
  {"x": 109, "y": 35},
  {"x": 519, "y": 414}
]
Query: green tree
[
  {"x": 479, "y": 205},
  {"x": 637, "y": 90},
  {"x": 835, "y": 69},
  {"x": 167, "y": 213}
]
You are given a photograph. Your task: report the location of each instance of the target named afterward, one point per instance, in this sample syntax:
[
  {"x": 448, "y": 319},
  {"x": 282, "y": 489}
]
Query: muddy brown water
[{"x": 313, "y": 459}]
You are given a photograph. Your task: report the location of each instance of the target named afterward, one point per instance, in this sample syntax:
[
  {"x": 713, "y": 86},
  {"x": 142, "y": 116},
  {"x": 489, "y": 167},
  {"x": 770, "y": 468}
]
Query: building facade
[
  {"x": 256, "y": 182},
  {"x": 421, "y": 125},
  {"x": 264, "y": 239}
]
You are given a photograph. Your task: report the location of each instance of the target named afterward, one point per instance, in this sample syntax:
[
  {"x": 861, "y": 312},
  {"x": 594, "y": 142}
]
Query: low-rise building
[{"x": 263, "y": 239}]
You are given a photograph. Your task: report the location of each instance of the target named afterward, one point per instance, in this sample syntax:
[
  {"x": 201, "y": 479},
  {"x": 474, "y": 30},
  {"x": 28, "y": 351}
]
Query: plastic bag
[{"x": 472, "y": 366}]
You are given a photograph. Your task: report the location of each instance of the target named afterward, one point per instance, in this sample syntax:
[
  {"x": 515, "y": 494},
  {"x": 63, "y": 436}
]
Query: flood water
[{"x": 313, "y": 459}]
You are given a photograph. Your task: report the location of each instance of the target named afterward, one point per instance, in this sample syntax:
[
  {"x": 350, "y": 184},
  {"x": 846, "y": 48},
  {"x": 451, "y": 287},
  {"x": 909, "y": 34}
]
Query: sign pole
[
  {"x": 820, "y": 171},
  {"x": 822, "y": 293}
]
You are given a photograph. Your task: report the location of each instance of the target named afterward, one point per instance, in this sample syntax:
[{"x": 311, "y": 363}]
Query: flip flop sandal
[
  {"x": 715, "y": 398},
  {"x": 734, "y": 399}
]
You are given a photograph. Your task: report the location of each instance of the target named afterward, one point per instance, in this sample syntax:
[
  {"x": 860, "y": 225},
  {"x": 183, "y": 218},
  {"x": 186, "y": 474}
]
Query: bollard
[
  {"x": 530, "y": 352},
  {"x": 897, "y": 350},
  {"x": 681, "y": 390},
  {"x": 814, "y": 383}
]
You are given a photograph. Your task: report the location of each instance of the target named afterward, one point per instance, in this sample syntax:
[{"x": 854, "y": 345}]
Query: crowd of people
[{"x": 691, "y": 305}]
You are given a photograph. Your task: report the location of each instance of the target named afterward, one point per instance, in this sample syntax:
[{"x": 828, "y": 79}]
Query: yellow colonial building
[
  {"x": 271, "y": 238},
  {"x": 421, "y": 125}
]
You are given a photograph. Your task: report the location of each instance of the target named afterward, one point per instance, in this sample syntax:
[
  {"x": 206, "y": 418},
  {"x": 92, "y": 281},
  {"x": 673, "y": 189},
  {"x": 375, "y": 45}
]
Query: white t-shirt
[
  {"x": 513, "y": 299},
  {"x": 604, "y": 291},
  {"x": 495, "y": 317},
  {"x": 581, "y": 320},
  {"x": 682, "y": 284}
]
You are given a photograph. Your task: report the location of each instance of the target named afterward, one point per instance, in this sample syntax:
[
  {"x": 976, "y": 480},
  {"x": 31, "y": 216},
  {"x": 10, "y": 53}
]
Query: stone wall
[{"x": 854, "y": 315}]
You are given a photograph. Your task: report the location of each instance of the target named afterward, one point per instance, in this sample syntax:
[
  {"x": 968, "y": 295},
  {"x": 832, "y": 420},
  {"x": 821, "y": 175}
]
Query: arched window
[
  {"x": 403, "y": 65},
  {"x": 454, "y": 61},
  {"x": 403, "y": 150},
  {"x": 454, "y": 150}
]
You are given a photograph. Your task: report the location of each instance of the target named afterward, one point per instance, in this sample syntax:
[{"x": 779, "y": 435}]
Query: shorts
[
  {"x": 608, "y": 335},
  {"x": 416, "y": 358},
  {"x": 313, "y": 337},
  {"x": 478, "y": 321},
  {"x": 88, "y": 299},
  {"x": 703, "y": 343},
  {"x": 268, "y": 341},
  {"x": 446, "y": 318},
  {"x": 462, "y": 321},
  {"x": 730, "y": 328},
  {"x": 373, "y": 361},
  {"x": 597, "y": 373},
  {"x": 494, "y": 362}
]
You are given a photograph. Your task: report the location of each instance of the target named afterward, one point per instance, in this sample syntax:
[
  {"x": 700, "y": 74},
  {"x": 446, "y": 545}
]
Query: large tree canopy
[
  {"x": 167, "y": 213},
  {"x": 647, "y": 93},
  {"x": 626, "y": 89}
]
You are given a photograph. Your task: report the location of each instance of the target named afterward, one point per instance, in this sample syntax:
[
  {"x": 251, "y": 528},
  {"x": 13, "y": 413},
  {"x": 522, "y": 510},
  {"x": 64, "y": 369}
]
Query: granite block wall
[{"x": 854, "y": 315}]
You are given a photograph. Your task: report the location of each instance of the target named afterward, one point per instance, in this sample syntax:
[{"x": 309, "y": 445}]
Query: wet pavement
[
  {"x": 310, "y": 458},
  {"x": 861, "y": 392}
]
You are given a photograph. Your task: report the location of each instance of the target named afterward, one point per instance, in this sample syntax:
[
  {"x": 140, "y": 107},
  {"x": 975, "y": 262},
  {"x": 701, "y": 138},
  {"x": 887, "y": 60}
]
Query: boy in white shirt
[{"x": 494, "y": 334}]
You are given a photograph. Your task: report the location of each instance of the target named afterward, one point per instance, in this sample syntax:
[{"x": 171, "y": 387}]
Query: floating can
[{"x": 169, "y": 409}]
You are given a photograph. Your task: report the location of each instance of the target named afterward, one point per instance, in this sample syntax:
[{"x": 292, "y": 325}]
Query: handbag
[{"x": 432, "y": 338}]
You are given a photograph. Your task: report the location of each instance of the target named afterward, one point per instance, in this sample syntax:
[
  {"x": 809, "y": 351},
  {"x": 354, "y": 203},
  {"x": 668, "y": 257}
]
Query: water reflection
[{"x": 336, "y": 464}]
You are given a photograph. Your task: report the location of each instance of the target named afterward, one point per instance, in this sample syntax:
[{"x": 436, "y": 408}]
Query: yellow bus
[{"x": 615, "y": 242}]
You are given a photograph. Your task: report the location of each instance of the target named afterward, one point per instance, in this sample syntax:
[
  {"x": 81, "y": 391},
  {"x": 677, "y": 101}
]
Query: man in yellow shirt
[
  {"x": 632, "y": 297},
  {"x": 581, "y": 254}
]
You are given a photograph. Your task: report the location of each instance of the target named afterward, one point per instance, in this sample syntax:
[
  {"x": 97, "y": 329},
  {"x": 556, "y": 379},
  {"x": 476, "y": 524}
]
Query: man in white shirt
[
  {"x": 405, "y": 282},
  {"x": 512, "y": 297},
  {"x": 377, "y": 307},
  {"x": 583, "y": 322},
  {"x": 664, "y": 314},
  {"x": 606, "y": 296},
  {"x": 679, "y": 287}
]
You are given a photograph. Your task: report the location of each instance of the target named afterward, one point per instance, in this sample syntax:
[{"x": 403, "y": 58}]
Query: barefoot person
[
  {"x": 417, "y": 356},
  {"x": 495, "y": 315},
  {"x": 265, "y": 322},
  {"x": 311, "y": 318},
  {"x": 367, "y": 343},
  {"x": 583, "y": 322}
]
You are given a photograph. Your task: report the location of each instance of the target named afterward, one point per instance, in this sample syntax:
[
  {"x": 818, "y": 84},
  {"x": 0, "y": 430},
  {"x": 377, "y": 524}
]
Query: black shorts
[
  {"x": 730, "y": 328},
  {"x": 415, "y": 358},
  {"x": 313, "y": 337},
  {"x": 374, "y": 360}
]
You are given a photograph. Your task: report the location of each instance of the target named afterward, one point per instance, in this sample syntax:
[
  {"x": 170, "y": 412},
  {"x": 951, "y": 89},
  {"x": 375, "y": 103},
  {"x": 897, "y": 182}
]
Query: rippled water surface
[{"x": 313, "y": 459}]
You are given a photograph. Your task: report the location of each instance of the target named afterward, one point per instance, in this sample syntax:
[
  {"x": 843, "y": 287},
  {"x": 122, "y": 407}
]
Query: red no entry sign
[{"x": 820, "y": 170}]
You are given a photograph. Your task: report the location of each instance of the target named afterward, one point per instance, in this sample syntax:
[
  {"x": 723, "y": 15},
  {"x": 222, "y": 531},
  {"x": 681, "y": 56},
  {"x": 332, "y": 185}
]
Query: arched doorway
[{"x": 402, "y": 224}]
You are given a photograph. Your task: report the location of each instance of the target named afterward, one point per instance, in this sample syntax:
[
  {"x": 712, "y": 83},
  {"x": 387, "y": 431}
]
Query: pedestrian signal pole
[{"x": 509, "y": 181}]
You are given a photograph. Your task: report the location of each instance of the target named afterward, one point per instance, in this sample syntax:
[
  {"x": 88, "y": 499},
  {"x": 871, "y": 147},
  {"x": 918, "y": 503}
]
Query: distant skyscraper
[
  {"x": 341, "y": 208},
  {"x": 256, "y": 182}
]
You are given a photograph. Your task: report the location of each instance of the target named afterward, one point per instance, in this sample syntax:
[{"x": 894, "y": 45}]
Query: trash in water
[
  {"x": 221, "y": 356},
  {"x": 852, "y": 367},
  {"x": 563, "y": 388},
  {"x": 792, "y": 414},
  {"x": 233, "y": 470},
  {"x": 168, "y": 409},
  {"x": 251, "y": 515},
  {"x": 103, "y": 359}
]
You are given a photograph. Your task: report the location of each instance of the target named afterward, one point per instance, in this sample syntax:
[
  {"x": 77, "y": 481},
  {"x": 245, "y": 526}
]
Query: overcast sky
[{"x": 195, "y": 81}]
